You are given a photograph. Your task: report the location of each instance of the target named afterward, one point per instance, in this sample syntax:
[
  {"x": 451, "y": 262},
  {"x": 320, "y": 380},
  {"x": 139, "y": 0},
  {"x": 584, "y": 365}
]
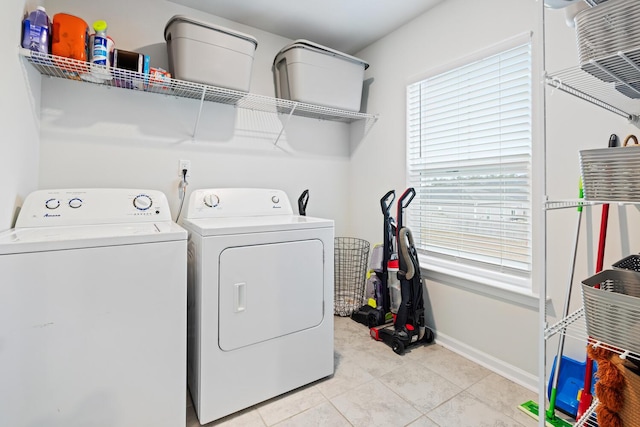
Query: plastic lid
[
  {"x": 40, "y": 8},
  {"x": 100, "y": 26},
  {"x": 306, "y": 44},
  {"x": 177, "y": 18}
]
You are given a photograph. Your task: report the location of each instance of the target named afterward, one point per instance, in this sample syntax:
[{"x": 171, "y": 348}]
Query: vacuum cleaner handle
[
  {"x": 302, "y": 202},
  {"x": 408, "y": 193},
  {"x": 403, "y": 203},
  {"x": 387, "y": 201}
]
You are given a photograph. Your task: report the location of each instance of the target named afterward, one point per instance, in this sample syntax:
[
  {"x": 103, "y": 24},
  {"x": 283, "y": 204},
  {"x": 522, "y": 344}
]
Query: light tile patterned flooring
[{"x": 428, "y": 386}]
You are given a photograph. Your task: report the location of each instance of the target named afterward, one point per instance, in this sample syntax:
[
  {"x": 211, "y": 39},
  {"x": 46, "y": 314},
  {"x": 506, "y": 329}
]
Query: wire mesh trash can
[{"x": 350, "y": 259}]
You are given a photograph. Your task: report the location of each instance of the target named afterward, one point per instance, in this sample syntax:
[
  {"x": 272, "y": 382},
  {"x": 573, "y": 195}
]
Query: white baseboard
[{"x": 492, "y": 363}]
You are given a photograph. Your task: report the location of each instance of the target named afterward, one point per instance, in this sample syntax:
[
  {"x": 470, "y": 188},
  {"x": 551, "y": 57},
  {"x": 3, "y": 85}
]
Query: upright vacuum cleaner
[
  {"x": 409, "y": 326},
  {"x": 377, "y": 311}
]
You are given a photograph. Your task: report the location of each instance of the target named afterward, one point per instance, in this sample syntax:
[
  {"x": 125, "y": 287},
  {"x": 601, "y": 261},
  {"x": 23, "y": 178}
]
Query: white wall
[
  {"x": 95, "y": 136},
  {"x": 19, "y": 116},
  {"x": 501, "y": 334}
]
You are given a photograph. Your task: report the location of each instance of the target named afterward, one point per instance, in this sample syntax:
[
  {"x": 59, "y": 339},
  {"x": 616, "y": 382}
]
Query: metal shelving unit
[
  {"x": 574, "y": 325},
  {"x": 83, "y": 72},
  {"x": 610, "y": 81}
]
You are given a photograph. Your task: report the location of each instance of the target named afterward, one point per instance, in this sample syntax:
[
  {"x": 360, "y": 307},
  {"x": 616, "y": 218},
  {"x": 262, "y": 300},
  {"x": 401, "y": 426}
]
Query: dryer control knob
[
  {"x": 275, "y": 199},
  {"x": 142, "y": 202},
  {"x": 211, "y": 200},
  {"x": 52, "y": 203},
  {"x": 75, "y": 203}
]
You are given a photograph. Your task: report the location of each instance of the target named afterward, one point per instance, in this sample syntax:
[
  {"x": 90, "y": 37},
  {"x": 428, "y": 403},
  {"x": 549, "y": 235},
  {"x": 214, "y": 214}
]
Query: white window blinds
[{"x": 469, "y": 160}]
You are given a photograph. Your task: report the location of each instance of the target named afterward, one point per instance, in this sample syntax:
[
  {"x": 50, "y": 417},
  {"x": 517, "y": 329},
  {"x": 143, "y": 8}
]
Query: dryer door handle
[{"x": 240, "y": 297}]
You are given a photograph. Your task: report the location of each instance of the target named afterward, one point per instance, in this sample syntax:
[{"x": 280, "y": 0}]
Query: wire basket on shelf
[
  {"x": 611, "y": 174},
  {"x": 632, "y": 262},
  {"x": 608, "y": 38},
  {"x": 612, "y": 311},
  {"x": 350, "y": 267},
  {"x": 607, "y": 29}
]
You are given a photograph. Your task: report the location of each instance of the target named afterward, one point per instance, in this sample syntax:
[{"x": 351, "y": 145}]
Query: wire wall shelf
[
  {"x": 81, "y": 71},
  {"x": 620, "y": 95},
  {"x": 565, "y": 204}
]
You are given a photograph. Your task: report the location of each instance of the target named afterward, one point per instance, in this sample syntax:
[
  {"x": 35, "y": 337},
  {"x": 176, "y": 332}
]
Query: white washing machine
[
  {"x": 93, "y": 311},
  {"x": 260, "y": 300}
]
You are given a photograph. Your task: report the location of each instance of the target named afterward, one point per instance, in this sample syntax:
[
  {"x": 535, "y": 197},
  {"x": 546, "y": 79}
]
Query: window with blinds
[{"x": 469, "y": 160}]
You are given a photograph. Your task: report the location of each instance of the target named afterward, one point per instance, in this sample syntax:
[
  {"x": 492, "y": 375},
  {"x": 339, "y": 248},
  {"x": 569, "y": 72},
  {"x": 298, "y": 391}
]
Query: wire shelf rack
[
  {"x": 589, "y": 417},
  {"x": 71, "y": 69},
  {"x": 574, "y": 326},
  {"x": 585, "y": 86}
]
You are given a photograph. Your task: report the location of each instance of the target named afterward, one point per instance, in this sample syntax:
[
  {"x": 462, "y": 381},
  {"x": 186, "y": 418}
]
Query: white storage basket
[
  {"x": 611, "y": 174},
  {"x": 608, "y": 38},
  {"x": 607, "y": 29},
  {"x": 612, "y": 311}
]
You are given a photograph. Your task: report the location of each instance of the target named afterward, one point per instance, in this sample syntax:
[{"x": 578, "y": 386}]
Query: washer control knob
[
  {"x": 142, "y": 202},
  {"x": 211, "y": 200},
  {"x": 275, "y": 199},
  {"x": 75, "y": 203},
  {"x": 52, "y": 203}
]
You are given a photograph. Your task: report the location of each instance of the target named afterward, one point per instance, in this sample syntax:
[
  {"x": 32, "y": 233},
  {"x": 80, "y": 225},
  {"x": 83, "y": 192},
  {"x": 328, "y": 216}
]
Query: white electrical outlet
[{"x": 184, "y": 164}]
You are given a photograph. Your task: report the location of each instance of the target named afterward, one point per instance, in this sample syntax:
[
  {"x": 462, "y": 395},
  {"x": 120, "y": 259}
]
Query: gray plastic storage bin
[
  {"x": 209, "y": 54},
  {"x": 308, "y": 72}
]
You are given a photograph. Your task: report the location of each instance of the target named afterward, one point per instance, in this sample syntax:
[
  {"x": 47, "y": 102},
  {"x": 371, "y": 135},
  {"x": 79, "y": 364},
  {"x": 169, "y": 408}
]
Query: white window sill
[{"x": 471, "y": 280}]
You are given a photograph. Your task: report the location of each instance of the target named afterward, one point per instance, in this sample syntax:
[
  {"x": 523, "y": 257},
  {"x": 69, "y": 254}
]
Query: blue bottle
[
  {"x": 100, "y": 50},
  {"x": 35, "y": 35}
]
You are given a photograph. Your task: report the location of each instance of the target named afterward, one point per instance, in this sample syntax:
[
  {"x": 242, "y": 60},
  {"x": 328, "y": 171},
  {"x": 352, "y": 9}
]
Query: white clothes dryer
[
  {"x": 93, "y": 311},
  {"x": 260, "y": 298}
]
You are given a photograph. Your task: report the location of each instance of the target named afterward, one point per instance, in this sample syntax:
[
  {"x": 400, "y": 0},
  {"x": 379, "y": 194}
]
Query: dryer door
[{"x": 270, "y": 290}]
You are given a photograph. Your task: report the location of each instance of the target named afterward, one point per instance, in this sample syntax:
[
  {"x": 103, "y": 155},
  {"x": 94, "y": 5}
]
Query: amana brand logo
[{"x": 47, "y": 215}]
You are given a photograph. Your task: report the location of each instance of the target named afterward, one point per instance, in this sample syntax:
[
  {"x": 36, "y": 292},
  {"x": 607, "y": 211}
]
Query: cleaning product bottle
[
  {"x": 36, "y": 31},
  {"x": 100, "y": 52}
]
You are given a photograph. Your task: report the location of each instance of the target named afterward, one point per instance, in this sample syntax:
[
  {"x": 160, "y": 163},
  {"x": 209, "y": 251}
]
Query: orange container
[{"x": 70, "y": 37}]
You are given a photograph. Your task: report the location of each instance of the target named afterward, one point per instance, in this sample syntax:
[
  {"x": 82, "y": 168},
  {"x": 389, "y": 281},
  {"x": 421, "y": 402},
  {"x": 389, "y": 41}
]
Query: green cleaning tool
[{"x": 531, "y": 408}]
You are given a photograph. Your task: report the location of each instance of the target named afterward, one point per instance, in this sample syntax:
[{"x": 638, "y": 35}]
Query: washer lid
[
  {"x": 41, "y": 239},
  {"x": 254, "y": 224}
]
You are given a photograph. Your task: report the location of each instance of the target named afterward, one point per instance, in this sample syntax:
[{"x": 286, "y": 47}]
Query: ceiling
[{"x": 345, "y": 25}]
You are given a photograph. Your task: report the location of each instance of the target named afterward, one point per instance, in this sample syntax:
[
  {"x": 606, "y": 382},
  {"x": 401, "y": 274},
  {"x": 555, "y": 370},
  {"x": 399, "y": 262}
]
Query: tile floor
[{"x": 428, "y": 386}]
